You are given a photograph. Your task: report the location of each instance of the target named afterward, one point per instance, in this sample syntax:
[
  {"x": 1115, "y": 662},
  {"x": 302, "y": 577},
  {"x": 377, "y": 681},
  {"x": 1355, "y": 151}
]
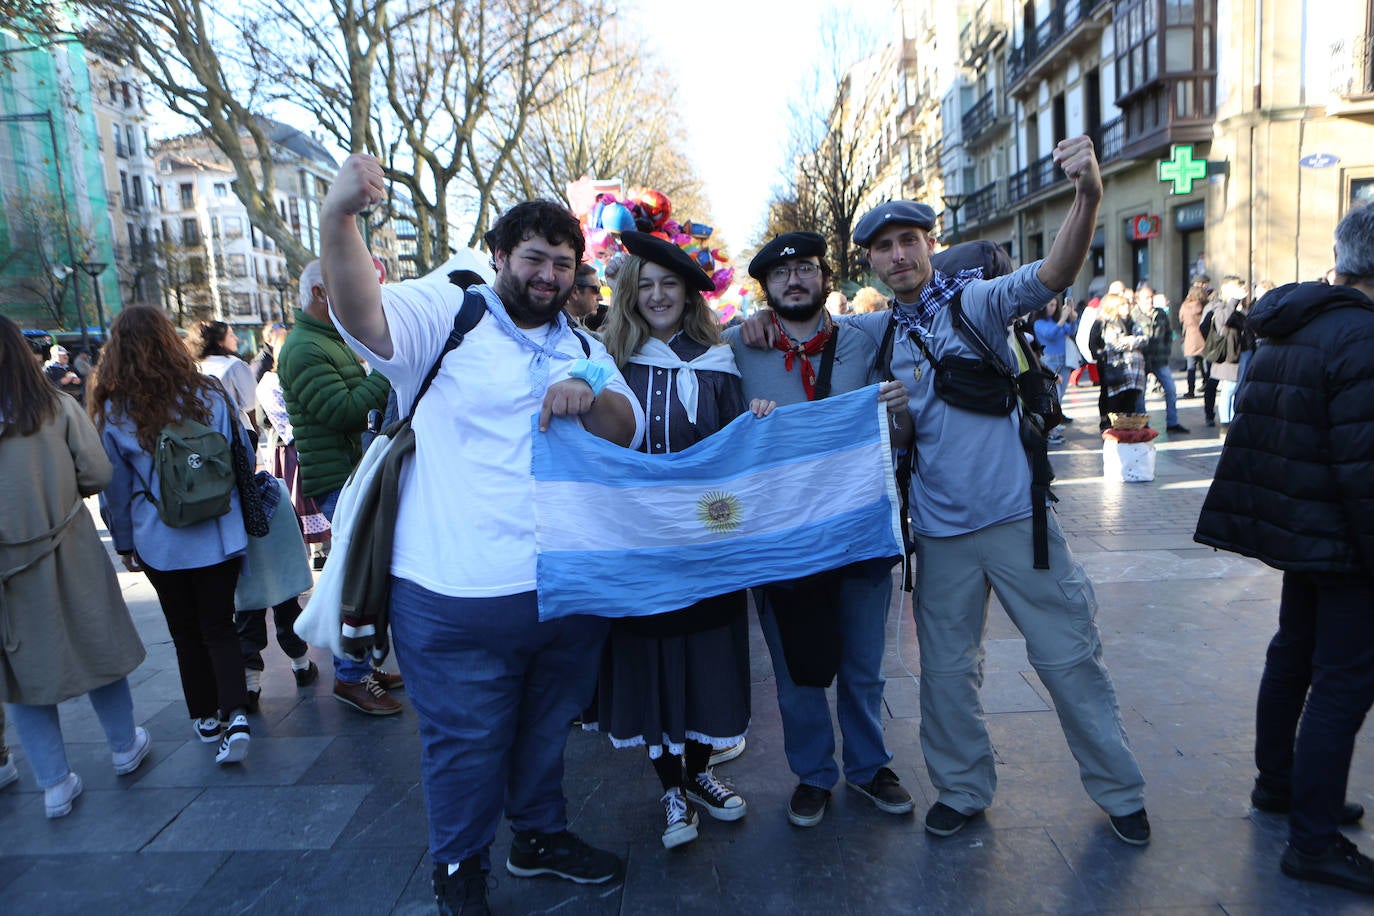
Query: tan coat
[{"x": 64, "y": 627}]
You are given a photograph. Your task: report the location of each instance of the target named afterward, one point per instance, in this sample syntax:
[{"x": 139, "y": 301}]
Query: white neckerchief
[{"x": 658, "y": 354}]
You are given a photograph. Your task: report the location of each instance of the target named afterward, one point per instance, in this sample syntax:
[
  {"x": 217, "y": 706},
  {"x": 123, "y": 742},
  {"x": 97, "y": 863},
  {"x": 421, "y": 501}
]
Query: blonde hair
[
  {"x": 868, "y": 299},
  {"x": 625, "y": 330},
  {"x": 1112, "y": 307}
]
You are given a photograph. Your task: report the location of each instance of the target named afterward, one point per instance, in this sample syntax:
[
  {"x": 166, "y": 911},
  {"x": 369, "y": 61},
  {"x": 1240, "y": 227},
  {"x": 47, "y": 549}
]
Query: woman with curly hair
[
  {"x": 145, "y": 381},
  {"x": 66, "y": 629},
  {"x": 676, "y": 682}
]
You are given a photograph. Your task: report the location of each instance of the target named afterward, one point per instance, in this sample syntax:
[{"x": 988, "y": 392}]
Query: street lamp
[
  {"x": 95, "y": 269},
  {"x": 280, "y": 283},
  {"x": 953, "y": 202}
]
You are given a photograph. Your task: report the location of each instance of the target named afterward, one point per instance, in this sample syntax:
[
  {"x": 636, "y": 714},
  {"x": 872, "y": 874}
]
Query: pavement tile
[
  {"x": 254, "y": 818},
  {"x": 270, "y": 762},
  {"x": 149, "y": 884},
  {"x": 341, "y": 882},
  {"x": 101, "y": 821}
]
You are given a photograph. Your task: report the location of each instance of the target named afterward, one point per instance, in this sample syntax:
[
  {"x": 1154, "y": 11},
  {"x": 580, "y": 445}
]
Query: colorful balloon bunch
[{"x": 606, "y": 214}]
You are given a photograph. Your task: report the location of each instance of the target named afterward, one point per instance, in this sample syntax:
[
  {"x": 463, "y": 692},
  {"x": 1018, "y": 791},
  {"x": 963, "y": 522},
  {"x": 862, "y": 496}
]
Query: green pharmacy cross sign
[{"x": 1182, "y": 169}]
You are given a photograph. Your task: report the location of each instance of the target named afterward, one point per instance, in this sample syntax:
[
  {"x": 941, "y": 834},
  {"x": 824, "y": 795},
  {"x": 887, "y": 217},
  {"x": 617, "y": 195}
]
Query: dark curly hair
[
  {"x": 206, "y": 338},
  {"x": 27, "y": 398},
  {"x": 145, "y": 373},
  {"x": 548, "y": 219}
]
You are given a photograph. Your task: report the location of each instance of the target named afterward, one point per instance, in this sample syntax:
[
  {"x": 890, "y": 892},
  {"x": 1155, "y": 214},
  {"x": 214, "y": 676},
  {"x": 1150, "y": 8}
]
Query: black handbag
[{"x": 1111, "y": 374}]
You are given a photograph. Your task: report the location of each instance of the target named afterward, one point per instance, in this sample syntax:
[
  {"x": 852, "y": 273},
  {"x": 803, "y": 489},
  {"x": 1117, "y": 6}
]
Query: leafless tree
[
  {"x": 613, "y": 114},
  {"x": 832, "y": 169},
  {"x": 35, "y": 269}
]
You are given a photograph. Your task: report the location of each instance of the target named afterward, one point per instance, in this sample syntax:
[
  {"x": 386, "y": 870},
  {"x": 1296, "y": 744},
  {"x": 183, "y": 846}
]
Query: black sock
[
  {"x": 669, "y": 769},
  {"x": 698, "y": 756}
]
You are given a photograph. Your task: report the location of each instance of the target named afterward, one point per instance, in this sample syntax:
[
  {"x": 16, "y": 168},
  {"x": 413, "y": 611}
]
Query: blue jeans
[
  {"x": 1319, "y": 671},
  {"x": 1166, "y": 381},
  {"x": 345, "y": 669},
  {"x": 41, "y": 733},
  {"x": 494, "y": 689},
  {"x": 808, "y": 736}
]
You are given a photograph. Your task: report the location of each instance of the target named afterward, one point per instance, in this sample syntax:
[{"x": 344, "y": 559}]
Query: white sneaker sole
[
  {"x": 720, "y": 814},
  {"x": 133, "y": 763},
  {"x": 679, "y": 836},
  {"x": 65, "y": 808},
  {"x": 236, "y": 750},
  {"x": 726, "y": 754}
]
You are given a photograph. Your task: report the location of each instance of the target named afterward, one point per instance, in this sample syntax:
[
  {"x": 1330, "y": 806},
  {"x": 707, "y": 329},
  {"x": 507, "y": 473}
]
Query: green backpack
[{"x": 195, "y": 472}]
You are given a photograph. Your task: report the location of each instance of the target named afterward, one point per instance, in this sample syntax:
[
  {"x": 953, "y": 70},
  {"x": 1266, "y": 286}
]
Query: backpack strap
[
  {"x": 1033, "y": 439},
  {"x": 473, "y": 310},
  {"x": 582, "y": 339},
  {"x": 822, "y": 387}
]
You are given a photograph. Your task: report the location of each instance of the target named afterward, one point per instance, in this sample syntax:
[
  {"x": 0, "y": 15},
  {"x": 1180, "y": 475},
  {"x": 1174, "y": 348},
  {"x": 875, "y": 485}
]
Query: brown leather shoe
[
  {"x": 388, "y": 680},
  {"x": 367, "y": 696}
]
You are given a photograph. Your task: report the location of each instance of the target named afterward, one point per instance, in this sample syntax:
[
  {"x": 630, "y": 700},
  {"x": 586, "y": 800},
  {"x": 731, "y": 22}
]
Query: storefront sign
[
  {"x": 1190, "y": 216},
  {"x": 1144, "y": 226},
  {"x": 1182, "y": 169},
  {"x": 1318, "y": 161}
]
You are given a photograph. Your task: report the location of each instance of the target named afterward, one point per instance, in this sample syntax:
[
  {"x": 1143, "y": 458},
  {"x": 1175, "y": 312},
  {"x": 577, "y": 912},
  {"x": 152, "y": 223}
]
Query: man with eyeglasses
[{"x": 848, "y": 606}]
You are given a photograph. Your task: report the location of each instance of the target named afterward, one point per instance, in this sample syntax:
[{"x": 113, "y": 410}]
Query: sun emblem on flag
[{"x": 721, "y": 512}]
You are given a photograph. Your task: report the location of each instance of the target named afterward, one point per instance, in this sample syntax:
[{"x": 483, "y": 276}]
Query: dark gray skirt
[{"x": 667, "y": 690}]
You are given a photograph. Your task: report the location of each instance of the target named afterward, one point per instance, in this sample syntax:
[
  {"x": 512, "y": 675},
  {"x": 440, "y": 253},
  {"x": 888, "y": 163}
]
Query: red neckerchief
[{"x": 804, "y": 350}]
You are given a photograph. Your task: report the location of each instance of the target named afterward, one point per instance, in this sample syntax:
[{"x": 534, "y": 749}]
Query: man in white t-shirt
[{"x": 494, "y": 687}]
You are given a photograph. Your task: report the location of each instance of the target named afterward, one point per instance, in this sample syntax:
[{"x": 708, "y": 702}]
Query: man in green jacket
[{"x": 328, "y": 396}]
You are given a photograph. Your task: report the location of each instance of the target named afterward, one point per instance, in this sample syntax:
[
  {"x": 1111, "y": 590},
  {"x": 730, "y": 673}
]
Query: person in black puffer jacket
[{"x": 1294, "y": 487}]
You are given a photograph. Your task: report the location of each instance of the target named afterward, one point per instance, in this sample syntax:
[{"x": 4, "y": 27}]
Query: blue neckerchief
[
  {"x": 543, "y": 352},
  {"x": 935, "y": 295}
]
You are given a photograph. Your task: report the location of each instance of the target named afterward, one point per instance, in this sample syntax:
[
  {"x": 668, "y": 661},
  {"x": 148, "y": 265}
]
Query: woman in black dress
[{"x": 676, "y": 682}]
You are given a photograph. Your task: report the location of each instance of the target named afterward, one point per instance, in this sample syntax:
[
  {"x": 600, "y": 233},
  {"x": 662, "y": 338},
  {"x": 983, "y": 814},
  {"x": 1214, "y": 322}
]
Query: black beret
[
  {"x": 668, "y": 256},
  {"x": 893, "y": 213},
  {"x": 787, "y": 245}
]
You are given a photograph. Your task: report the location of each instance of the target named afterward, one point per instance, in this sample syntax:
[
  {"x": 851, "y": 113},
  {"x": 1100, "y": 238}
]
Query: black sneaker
[
  {"x": 807, "y": 806},
  {"x": 563, "y": 855},
  {"x": 306, "y": 676},
  {"x": 1177, "y": 428},
  {"x": 1342, "y": 865},
  {"x": 720, "y": 801},
  {"x": 233, "y": 747},
  {"x": 1281, "y": 803},
  {"x": 886, "y": 792},
  {"x": 942, "y": 820},
  {"x": 1132, "y": 828},
  {"x": 464, "y": 891}
]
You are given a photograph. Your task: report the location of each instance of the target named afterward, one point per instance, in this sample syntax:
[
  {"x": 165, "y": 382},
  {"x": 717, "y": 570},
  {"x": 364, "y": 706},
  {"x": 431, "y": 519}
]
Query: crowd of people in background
[{"x": 493, "y": 687}]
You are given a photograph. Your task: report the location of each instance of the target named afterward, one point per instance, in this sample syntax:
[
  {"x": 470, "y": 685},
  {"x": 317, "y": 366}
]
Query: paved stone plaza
[{"x": 326, "y": 815}]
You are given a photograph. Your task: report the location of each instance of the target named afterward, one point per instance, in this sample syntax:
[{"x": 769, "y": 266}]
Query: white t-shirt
[{"x": 465, "y": 524}]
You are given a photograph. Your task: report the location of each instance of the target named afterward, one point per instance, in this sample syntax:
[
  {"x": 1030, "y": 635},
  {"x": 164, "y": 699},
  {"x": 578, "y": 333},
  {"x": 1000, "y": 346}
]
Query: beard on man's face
[
  {"x": 524, "y": 308},
  {"x": 797, "y": 311}
]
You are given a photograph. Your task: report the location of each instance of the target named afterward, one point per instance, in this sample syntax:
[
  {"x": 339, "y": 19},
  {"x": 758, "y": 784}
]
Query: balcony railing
[
  {"x": 982, "y": 31},
  {"x": 1063, "y": 17},
  {"x": 1040, "y": 175},
  {"x": 1352, "y": 67},
  {"x": 984, "y": 202},
  {"x": 980, "y": 117},
  {"x": 1110, "y": 139}
]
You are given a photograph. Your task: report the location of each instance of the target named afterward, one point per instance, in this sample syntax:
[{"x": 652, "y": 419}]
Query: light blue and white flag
[{"x": 623, "y": 534}]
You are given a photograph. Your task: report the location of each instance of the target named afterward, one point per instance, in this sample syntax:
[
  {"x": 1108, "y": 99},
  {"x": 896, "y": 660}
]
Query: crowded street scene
[{"x": 445, "y": 468}]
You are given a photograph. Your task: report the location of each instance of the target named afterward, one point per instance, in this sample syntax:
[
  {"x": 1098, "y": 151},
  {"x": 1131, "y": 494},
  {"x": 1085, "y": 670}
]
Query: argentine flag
[{"x": 623, "y": 534}]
